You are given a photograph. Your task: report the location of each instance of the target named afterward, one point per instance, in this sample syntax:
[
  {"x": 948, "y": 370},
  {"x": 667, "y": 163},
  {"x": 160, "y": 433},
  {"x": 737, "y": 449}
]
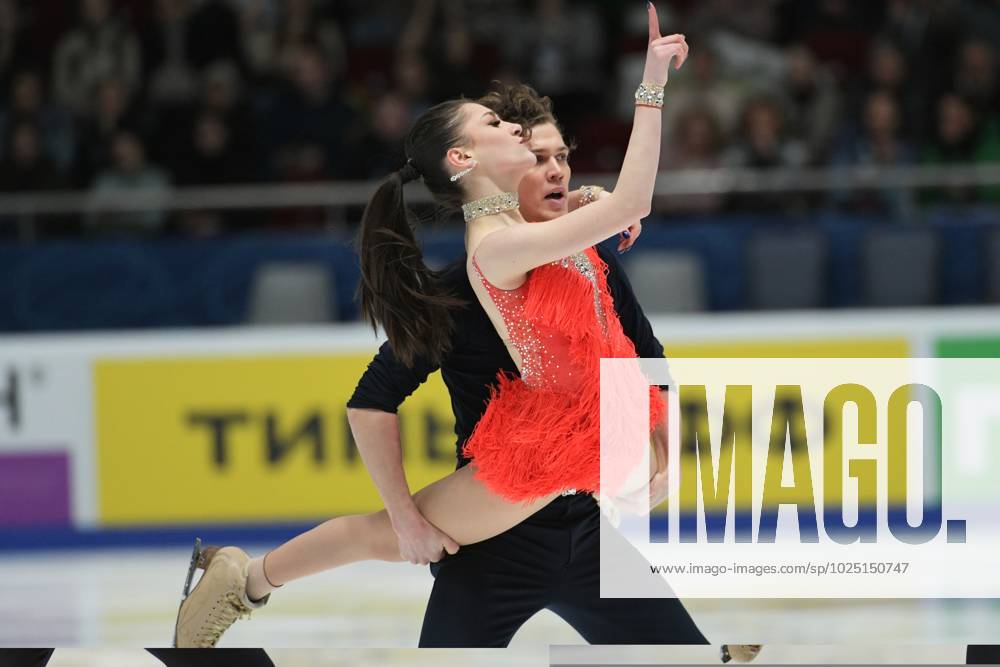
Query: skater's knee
[{"x": 384, "y": 544}]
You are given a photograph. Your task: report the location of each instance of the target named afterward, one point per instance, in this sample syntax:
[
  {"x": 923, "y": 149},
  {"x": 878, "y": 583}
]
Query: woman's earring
[{"x": 463, "y": 172}]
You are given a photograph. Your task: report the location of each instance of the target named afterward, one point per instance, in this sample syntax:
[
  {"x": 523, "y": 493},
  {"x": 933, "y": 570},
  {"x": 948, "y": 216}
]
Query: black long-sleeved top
[{"x": 477, "y": 353}]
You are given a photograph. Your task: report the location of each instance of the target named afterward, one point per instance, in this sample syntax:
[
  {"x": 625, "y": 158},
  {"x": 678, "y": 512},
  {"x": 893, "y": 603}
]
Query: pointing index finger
[{"x": 654, "y": 21}]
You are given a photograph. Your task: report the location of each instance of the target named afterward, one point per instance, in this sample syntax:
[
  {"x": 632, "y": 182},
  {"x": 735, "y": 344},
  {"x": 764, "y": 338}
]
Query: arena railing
[{"x": 24, "y": 209}]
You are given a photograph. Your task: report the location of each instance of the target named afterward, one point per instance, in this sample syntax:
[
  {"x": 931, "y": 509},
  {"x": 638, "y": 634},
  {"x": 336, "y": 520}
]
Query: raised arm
[{"x": 507, "y": 253}]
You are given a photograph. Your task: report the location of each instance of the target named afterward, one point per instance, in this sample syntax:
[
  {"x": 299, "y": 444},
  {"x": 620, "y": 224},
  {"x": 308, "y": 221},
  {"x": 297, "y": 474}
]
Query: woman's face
[
  {"x": 500, "y": 150},
  {"x": 543, "y": 190},
  {"x": 955, "y": 120},
  {"x": 763, "y": 125},
  {"x": 881, "y": 114}
]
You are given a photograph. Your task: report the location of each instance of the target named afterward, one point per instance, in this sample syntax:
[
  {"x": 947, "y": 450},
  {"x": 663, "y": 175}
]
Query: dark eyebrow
[
  {"x": 491, "y": 113},
  {"x": 561, "y": 149}
]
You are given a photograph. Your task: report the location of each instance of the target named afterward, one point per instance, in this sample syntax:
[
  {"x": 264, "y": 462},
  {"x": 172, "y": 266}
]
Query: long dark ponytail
[{"x": 397, "y": 290}]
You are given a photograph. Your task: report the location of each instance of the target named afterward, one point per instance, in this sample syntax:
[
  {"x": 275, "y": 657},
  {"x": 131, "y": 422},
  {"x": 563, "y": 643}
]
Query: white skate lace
[{"x": 224, "y": 613}]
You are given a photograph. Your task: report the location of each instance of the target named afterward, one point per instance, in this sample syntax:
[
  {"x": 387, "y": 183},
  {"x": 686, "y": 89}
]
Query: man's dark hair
[{"x": 520, "y": 103}]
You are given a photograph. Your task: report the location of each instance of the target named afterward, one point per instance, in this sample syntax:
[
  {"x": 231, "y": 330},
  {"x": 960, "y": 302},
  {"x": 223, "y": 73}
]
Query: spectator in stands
[
  {"x": 560, "y": 50},
  {"x": 211, "y": 156},
  {"x": 218, "y": 145},
  {"x": 214, "y": 34},
  {"x": 976, "y": 76},
  {"x": 888, "y": 69},
  {"x": 741, "y": 35},
  {"x": 381, "y": 151},
  {"x": 101, "y": 46},
  {"x": 312, "y": 119},
  {"x": 764, "y": 142},
  {"x": 456, "y": 75},
  {"x": 879, "y": 142},
  {"x": 411, "y": 79},
  {"x": 752, "y": 20},
  {"x": 375, "y": 23},
  {"x": 222, "y": 95},
  {"x": 906, "y": 22},
  {"x": 701, "y": 82},
  {"x": 270, "y": 38},
  {"x": 449, "y": 53},
  {"x": 27, "y": 103},
  {"x": 130, "y": 173},
  {"x": 267, "y": 79},
  {"x": 15, "y": 50},
  {"x": 25, "y": 166},
  {"x": 963, "y": 137},
  {"x": 222, "y": 89},
  {"x": 170, "y": 77},
  {"x": 838, "y": 32},
  {"x": 949, "y": 26},
  {"x": 697, "y": 142},
  {"x": 111, "y": 110},
  {"x": 812, "y": 101}
]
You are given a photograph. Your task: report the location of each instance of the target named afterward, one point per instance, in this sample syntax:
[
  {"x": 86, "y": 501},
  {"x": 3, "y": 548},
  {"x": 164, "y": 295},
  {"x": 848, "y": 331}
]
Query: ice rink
[{"x": 121, "y": 599}]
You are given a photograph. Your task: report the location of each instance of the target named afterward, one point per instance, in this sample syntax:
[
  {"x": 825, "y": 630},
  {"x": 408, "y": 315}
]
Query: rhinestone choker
[{"x": 504, "y": 201}]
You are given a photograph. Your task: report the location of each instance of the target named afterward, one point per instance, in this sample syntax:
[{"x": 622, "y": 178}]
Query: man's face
[{"x": 543, "y": 189}]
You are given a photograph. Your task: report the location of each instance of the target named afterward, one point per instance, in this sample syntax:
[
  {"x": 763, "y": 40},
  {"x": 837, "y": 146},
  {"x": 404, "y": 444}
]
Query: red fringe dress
[{"x": 541, "y": 432}]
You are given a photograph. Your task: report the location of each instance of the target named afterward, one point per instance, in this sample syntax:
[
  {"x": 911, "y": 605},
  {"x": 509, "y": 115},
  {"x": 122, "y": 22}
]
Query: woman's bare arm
[{"x": 508, "y": 253}]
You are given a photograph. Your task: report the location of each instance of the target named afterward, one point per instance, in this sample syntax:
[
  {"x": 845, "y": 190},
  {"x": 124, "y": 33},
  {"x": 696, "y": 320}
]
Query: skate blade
[{"x": 196, "y": 559}]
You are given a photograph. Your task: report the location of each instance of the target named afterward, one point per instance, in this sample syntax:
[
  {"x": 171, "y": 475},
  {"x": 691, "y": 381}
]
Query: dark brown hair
[
  {"x": 520, "y": 103},
  {"x": 397, "y": 290}
]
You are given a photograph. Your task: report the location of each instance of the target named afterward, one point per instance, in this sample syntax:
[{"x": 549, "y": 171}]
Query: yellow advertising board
[
  {"x": 247, "y": 439},
  {"x": 261, "y": 439},
  {"x": 799, "y": 348}
]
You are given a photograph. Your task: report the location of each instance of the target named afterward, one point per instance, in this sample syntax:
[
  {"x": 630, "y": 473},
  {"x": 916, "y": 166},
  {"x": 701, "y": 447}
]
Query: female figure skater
[{"x": 544, "y": 289}]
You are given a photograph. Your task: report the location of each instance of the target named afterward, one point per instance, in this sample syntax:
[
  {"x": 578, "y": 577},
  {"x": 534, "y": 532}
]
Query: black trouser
[
  {"x": 983, "y": 655},
  {"x": 486, "y": 591},
  {"x": 251, "y": 657}
]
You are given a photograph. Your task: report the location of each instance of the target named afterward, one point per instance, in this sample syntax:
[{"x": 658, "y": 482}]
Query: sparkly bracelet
[
  {"x": 649, "y": 95},
  {"x": 589, "y": 194}
]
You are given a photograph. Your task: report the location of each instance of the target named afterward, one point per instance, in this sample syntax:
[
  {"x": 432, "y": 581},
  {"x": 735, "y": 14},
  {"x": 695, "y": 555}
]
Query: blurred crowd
[{"x": 141, "y": 95}]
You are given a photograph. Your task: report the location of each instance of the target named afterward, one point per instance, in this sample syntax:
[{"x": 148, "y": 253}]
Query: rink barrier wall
[{"x": 164, "y": 434}]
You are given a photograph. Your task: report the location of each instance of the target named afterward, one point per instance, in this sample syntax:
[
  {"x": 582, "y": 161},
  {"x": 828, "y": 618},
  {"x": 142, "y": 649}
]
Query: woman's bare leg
[{"x": 458, "y": 505}]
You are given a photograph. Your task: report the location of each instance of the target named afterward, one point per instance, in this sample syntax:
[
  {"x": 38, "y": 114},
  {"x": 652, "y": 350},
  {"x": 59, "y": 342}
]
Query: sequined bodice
[
  {"x": 545, "y": 349},
  {"x": 543, "y": 432}
]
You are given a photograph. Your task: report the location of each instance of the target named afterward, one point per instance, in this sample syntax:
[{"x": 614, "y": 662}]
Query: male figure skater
[{"x": 483, "y": 593}]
